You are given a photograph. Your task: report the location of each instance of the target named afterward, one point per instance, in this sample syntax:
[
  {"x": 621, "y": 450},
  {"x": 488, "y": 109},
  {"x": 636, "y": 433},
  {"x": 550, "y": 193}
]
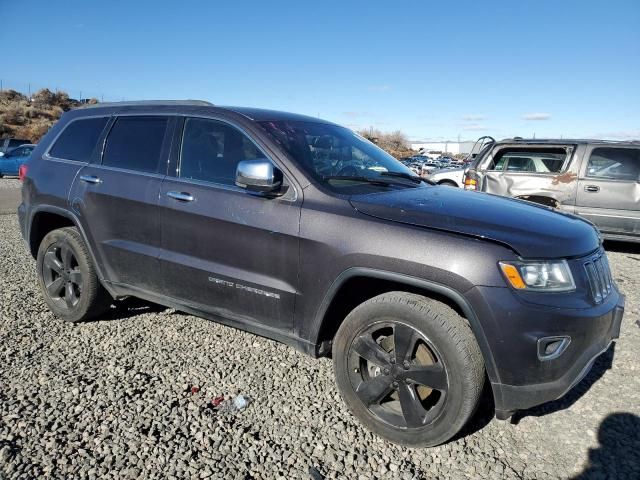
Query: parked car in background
[
  {"x": 451, "y": 177},
  {"x": 599, "y": 180},
  {"x": 10, "y": 143},
  {"x": 430, "y": 166},
  {"x": 11, "y": 160}
]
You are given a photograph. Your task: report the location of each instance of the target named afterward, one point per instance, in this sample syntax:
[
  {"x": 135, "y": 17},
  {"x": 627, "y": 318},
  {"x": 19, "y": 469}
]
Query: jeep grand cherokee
[{"x": 300, "y": 230}]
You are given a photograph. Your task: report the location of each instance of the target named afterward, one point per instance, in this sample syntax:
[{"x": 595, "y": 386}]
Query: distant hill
[{"x": 31, "y": 118}]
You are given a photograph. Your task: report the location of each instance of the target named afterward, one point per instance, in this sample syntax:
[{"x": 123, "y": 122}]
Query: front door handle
[
  {"x": 591, "y": 188},
  {"x": 90, "y": 179},
  {"x": 181, "y": 196}
]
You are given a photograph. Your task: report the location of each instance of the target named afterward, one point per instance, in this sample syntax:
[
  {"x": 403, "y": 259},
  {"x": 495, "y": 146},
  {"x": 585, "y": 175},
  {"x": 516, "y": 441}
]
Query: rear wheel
[
  {"x": 67, "y": 277},
  {"x": 409, "y": 368}
]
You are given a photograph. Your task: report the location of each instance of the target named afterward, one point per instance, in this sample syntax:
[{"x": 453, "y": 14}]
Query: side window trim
[
  {"x": 47, "y": 156},
  {"x": 178, "y": 160},
  {"x": 165, "y": 148}
]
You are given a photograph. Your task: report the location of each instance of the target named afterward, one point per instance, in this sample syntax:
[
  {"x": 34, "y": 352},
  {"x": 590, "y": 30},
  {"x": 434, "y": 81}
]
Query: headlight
[{"x": 552, "y": 276}]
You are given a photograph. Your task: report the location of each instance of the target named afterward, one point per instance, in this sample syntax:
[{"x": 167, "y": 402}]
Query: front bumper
[{"x": 513, "y": 328}]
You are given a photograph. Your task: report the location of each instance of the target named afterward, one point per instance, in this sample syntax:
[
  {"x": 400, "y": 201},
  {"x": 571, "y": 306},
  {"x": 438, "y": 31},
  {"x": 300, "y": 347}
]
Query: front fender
[{"x": 427, "y": 286}]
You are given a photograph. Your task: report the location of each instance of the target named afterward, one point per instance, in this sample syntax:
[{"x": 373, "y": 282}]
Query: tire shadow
[
  {"x": 130, "y": 307},
  {"x": 618, "y": 455},
  {"x": 483, "y": 415}
]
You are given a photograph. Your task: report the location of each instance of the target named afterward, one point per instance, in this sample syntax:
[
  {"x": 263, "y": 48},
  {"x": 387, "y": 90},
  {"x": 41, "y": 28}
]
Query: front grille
[{"x": 599, "y": 275}]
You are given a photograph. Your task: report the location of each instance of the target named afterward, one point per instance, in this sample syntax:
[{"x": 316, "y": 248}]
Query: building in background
[{"x": 435, "y": 149}]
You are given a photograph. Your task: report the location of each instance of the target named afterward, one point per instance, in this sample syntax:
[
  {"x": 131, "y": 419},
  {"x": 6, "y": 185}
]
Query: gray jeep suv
[{"x": 300, "y": 230}]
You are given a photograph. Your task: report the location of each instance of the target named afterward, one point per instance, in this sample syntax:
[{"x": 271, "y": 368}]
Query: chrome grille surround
[{"x": 599, "y": 276}]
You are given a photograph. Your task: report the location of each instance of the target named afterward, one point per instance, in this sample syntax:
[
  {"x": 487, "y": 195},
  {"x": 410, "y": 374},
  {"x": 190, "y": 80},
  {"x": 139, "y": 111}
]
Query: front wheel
[
  {"x": 68, "y": 278},
  {"x": 448, "y": 183},
  {"x": 409, "y": 368}
]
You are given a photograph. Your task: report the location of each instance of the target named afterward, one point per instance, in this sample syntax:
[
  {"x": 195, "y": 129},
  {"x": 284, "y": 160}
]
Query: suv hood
[{"x": 532, "y": 231}]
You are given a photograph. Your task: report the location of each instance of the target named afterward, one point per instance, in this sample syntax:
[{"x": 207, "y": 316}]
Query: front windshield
[{"x": 338, "y": 157}]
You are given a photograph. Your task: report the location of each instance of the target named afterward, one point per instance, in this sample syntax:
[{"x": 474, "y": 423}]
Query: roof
[
  {"x": 264, "y": 115},
  {"x": 187, "y": 103},
  {"x": 255, "y": 114},
  {"x": 561, "y": 141}
]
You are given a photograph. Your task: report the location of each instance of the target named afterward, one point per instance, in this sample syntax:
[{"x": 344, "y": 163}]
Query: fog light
[{"x": 550, "y": 348}]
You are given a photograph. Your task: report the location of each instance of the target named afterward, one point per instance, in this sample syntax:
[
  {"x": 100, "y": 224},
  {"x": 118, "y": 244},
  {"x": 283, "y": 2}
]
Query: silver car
[
  {"x": 451, "y": 177},
  {"x": 597, "y": 179}
]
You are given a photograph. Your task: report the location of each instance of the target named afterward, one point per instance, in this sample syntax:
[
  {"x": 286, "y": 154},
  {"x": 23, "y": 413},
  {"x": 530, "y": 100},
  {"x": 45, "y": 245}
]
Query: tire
[
  {"x": 67, "y": 277},
  {"x": 443, "y": 353},
  {"x": 448, "y": 183}
]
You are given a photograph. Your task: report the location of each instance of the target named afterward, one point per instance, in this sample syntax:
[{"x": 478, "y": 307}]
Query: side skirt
[{"x": 224, "y": 317}]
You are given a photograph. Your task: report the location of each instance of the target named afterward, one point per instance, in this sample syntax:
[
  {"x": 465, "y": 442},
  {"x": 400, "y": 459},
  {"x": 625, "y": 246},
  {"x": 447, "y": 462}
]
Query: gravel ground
[
  {"x": 7, "y": 183},
  {"x": 112, "y": 399}
]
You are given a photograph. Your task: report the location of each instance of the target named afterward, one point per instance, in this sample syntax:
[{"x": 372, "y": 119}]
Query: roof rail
[{"x": 195, "y": 103}]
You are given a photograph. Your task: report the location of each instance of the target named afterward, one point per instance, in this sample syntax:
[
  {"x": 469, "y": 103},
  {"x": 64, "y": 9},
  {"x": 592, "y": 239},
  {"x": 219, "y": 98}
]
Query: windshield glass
[{"x": 339, "y": 158}]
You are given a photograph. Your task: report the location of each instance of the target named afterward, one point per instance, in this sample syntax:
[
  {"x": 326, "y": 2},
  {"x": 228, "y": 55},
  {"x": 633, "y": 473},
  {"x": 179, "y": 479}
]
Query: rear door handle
[
  {"x": 181, "y": 196},
  {"x": 591, "y": 188},
  {"x": 90, "y": 179}
]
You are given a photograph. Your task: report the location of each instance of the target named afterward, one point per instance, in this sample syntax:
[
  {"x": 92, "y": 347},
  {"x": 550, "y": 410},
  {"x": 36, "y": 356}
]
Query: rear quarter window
[
  {"x": 135, "y": 143},
  {"x": 16, "y": 142},
  {"x": 78, "y": 139}
]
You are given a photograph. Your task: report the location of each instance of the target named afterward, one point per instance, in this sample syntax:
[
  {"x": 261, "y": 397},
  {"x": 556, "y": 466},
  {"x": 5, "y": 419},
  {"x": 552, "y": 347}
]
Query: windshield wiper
[
  {"x": 408, "y": 176},
  {"x": 357, "y": 178},
  {"x": 362, "y": 178}
]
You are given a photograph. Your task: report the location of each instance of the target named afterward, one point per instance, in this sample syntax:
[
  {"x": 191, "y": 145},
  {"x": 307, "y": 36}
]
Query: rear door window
[
  {"x": 614, "y": 163},
  {"x": 541, "y": 160},
  {"x": 135, "y": 143},
  {"x": 78, "y": 139}
]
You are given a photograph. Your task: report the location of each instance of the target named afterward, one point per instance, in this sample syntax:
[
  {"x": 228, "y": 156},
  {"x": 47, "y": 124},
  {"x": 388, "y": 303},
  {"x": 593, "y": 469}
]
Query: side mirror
[{"x": 258, "y": 176}]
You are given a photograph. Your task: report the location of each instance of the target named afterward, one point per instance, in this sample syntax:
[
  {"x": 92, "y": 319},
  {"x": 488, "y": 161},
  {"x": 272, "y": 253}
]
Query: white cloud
[
  {"x": 473, "y": 118},
  {"x": 475, "y": 127},
  {"x": 537, "y": 116}
]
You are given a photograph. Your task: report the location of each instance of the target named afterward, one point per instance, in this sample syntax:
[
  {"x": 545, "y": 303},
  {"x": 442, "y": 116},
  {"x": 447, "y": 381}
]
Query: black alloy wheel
[
  {"x": 62, "y": 275},
  {"x": 397, "y": 374}
]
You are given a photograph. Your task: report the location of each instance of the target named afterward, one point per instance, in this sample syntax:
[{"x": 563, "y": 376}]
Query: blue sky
[{"x": 434, "y": 70}]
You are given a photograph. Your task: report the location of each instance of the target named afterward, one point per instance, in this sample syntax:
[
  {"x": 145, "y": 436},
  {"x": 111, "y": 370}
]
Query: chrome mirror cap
[{"x": 258, "y": 176}]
